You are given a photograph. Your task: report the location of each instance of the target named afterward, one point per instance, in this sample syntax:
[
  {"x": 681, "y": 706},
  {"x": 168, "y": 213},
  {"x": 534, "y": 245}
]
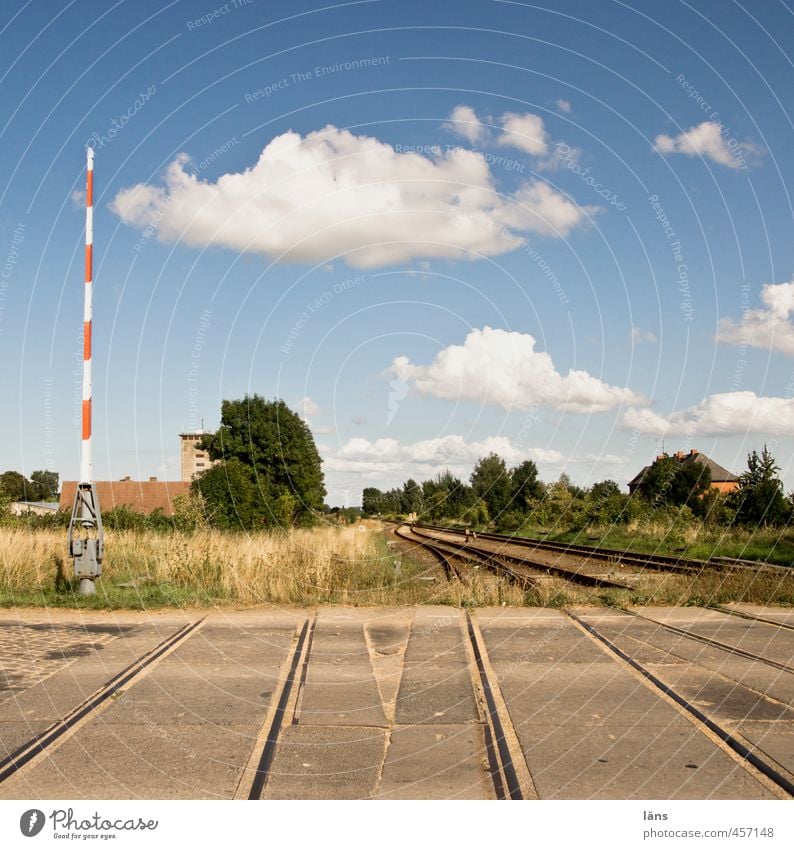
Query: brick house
[
  {"x": 721, "y": 478},
  {"x": 140, "y": 496}
]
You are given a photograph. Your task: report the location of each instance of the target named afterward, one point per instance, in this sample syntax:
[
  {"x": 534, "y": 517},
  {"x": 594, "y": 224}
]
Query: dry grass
[{"x": 348, "y": 565}]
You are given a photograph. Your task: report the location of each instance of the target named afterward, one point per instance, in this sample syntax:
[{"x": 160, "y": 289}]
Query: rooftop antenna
[{"x": 86, "y": 536}]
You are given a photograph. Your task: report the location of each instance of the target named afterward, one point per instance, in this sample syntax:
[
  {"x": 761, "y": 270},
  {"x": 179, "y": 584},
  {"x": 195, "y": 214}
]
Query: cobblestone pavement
[{"x": 31, "y": 652}]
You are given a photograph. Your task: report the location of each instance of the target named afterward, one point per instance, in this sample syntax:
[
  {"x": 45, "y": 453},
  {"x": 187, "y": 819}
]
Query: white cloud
[
  {"x": 707, "y": 140},
  {"x": 640, "y": 335},
  {"x": 722, "y": 413},
  {"x": 322, "y": 430},
  {"x": 463, "y": 120},
  {"x": 308, "y": 407},
  {"x": 564, "y": 106},
  {"x": 527, "y": 132},
  {"x": 309, "y": 198},
  {"x": 770, "y": 327},
  {"x": 429, "y": 456},
  {"x": 501, "y": 367}
]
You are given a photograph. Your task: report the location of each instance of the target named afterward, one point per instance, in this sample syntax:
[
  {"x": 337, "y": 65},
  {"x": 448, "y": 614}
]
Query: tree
[
  {"x": 759, "y": 498},
  {"x": 491, "y": 482},
  {"x": 15, "y": 486},
  {"x": 671, "y": 482},
  {"x": 525, "y": 485},
  {"x": 411, "y": 497},
  {"x": 47, "y": 483},
  {"x": 230, "y": 496},
  {"x": 276, "y": 447},
  {"x": 371, "y": 501},
  {"x": 603, "y": 490}
]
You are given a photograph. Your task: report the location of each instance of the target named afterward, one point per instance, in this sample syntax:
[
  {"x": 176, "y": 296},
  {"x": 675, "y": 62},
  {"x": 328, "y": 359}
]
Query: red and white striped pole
[
  {"x": 86, "y": 537},
  {"x": 86, "y": 459}
]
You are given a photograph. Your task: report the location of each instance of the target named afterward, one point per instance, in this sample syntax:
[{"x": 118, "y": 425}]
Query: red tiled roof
[{"x": 140, "y": 496}]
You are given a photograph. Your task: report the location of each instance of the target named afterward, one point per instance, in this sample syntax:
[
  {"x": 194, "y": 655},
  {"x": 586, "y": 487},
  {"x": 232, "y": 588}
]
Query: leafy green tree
[
  {"x": 759, "y": 499},
  {"x": 276, "y": 446},
  {"x": 603, "y": 490},
  {"x": 491, "y": 482},
  {"x": 230, "y": 496},
  {"x": 47, "y": 483},
  {"x": 670, "y": 482},
  {"x": 15, "y": 486},
  {"x": 411, "y": 497},
  {"x": 371, "y": 501},
  {"x": 525, "y": 486}
]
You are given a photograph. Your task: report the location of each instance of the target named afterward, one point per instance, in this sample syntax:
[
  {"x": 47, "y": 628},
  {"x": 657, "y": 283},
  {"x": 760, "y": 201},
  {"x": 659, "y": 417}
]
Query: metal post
[{"x": 86, "y": 536}]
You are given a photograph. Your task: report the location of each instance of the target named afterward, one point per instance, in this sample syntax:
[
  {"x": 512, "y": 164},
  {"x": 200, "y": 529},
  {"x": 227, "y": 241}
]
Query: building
[
  {"x": 140, "y": 496},
  {"x": 146, "y": 496},
  {"x": 721, "y": 478},
  {"x": 194, "y": 460},
  {"x": 35, "y": 508}
]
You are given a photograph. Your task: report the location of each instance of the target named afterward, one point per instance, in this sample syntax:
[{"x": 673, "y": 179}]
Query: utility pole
[{"x": 86, "y": 536}]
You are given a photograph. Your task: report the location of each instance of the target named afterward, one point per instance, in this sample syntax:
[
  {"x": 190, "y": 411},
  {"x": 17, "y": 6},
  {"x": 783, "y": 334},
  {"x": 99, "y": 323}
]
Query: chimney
[
  {"x": 152, "y": 480},
  {"x": 694, "y": 452},
  {"x": 679, "y": 455},
  {"x": 660, "y": 456},
  {"x": 128, "y": 478}
]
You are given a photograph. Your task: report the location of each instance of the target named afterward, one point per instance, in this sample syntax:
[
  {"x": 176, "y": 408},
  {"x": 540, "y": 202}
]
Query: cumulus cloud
[
  {"x": 527, "y": 132},
  {"x": 722, "y": 413},
  {"x": 771, "y": 326},
  {"x": 309, "y": 198},
  {"x": 428, "y": 456},
  {"x": 708, "y": 140},
  {"x": 500, "y": 367},
  {"x": 463, "y": 120}
]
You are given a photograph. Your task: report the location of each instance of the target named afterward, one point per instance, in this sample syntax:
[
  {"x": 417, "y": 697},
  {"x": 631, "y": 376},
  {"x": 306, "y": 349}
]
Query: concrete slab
[
  {"x": 590, "y": 728},
  {"x": 436, "y": 762},
  {"x": 719, "y": 697},
  {"x": 573, "y": 693},
  {"x": 543, "y": 642},
  {"x": 639, "y": 638},
  {"x": 326, "y": 763},
  {"x": 185, "y": 730},
  {"x": 774, "y": 643},
  {"x": 615, "y": 762},
  {"x": 437, "y": 635},
  {"x": 340, "y": 696},
  {"x": 139, "y": 761},
  {"x": 339, "y": 686},
  {"x": 436, "y": 694}
]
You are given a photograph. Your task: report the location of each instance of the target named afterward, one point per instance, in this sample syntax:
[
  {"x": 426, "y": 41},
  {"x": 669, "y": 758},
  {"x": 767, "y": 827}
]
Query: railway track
[
  {"x": 659, "y": 562},
  {"x": 722, "y": 701},
  {"x": 43, "y": 743},
  {"x": 506, "y": 765},
  {"x": 448, "y": 553},
  {"x": 750, "y": 755},
  {"x": 522, "y": 570}
]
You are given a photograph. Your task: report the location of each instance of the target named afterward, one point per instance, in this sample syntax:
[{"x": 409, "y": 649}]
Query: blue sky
[{"x": 560, "y": 231}]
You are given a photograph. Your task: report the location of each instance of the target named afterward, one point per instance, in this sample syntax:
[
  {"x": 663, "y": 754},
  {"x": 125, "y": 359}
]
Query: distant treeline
[{"x": 509, "y": 498}]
